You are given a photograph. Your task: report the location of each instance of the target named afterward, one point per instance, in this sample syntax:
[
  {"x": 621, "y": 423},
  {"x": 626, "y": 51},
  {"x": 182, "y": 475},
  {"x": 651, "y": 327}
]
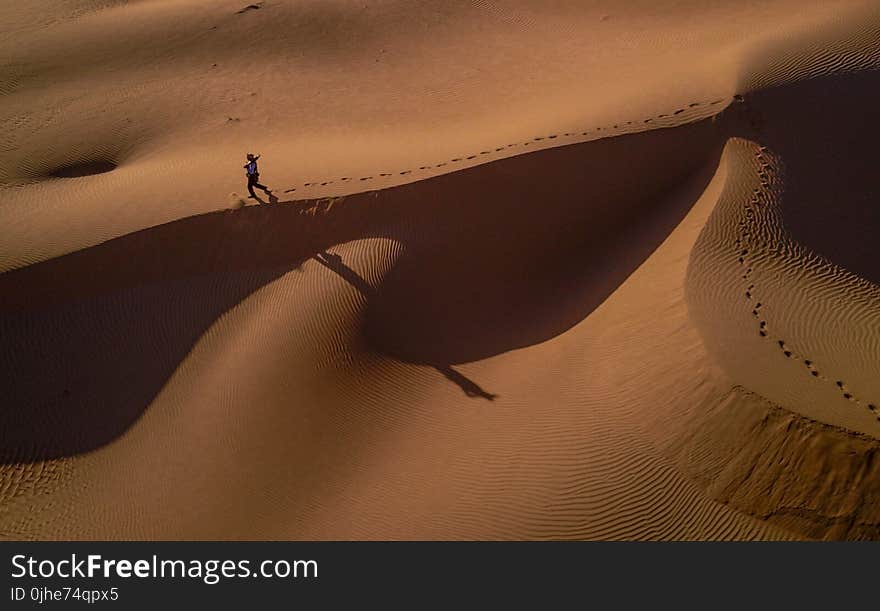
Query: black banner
[{"x": 414, "y": 574}]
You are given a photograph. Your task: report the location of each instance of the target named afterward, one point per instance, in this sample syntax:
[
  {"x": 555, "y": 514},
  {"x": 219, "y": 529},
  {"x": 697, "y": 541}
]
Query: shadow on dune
[
  {"x": 494, "y": 258},
  {"x": 90, "y": 338},
  {"x": 334, "y": 263},
  {"x": 826, "y": 131}
]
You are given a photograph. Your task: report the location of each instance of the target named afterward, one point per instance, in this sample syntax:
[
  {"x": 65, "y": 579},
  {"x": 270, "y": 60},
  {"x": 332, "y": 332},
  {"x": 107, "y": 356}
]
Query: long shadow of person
[
  {"x": 470, "y": 388},
  {"x": 334, "y": 263}
]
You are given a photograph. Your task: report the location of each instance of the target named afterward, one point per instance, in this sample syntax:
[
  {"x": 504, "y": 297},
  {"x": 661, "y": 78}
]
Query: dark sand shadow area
[
  {"x": 826, "y": 130},
  {"x": 494, "y": 258}
]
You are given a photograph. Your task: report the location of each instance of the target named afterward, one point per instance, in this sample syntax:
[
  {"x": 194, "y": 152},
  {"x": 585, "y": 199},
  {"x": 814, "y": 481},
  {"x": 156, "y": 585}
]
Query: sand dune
[{"x": 595, "y": 271}]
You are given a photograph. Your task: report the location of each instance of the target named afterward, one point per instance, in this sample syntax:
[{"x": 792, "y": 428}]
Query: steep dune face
[
  {"x": 468, "y": 284},
  {"x": 788, "y": 254},
  {"x": 600, "y": 271}
]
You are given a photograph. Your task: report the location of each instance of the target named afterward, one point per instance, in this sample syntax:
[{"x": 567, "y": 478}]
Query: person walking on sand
[{"x": 253, "y": 175}]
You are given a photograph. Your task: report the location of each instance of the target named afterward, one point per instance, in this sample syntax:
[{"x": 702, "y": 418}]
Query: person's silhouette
[{"x": 253, "y": 175}]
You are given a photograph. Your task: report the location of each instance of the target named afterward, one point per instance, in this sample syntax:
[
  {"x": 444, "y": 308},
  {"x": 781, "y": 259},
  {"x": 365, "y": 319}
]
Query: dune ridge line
[{"x": 498, "y": 149}]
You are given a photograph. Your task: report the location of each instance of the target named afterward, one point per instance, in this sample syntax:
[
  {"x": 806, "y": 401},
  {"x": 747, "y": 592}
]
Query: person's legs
[
  {"x": 257, "y": 184},
  {"x": 251, "y": 183}
]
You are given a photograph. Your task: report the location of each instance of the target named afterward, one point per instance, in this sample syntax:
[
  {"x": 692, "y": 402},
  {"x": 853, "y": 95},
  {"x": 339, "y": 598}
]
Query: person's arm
[{"x": 256, "y": 157}]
